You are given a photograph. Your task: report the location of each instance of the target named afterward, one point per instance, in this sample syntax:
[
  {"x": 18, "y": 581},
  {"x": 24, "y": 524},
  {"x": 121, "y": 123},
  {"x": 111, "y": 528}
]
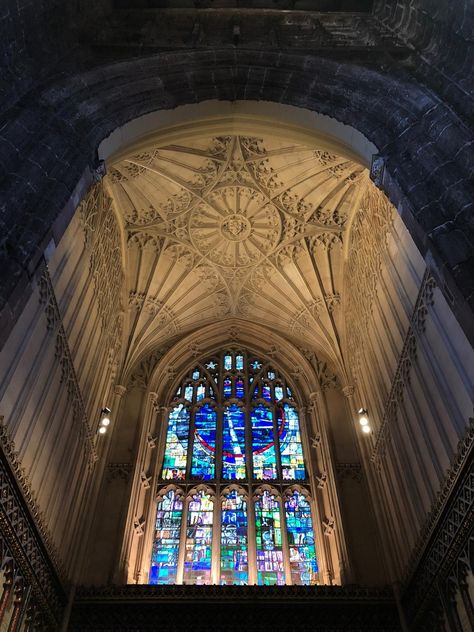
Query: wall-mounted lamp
[
  {"x": 364, "y": 420},
  {"x": 104, "y": 421}
]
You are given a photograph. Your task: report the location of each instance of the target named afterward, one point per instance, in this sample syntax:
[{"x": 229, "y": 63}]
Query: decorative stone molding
[
  {"x": 68, "y": 373},
  {"x": 349, "y": 471},
  {"x": 407, "y": 357},
  {"x": 142, "y": 374},
  {"x": 103, "y": 243},
  {"x": 111, "y": 593},
  {"x": 348, "y": 390},
  {"x": 367, "y": 247},
  {"x": 24, "y": 535},
  {"x": 145, "y": 607},
  {"x": 151, "y": 441},
  {"x": 316, "y": 441},
  {"x": 321, "y": 480},
  {"x": 139, "y": 526},
  {"x": 447, "y": 535},
  {"x": 120, "y": 471},
  {"x": 328, "y": 526}
]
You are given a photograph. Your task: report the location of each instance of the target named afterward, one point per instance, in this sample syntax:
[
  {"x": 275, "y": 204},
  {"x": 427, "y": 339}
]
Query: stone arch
[{"x": 423, "y": 145}]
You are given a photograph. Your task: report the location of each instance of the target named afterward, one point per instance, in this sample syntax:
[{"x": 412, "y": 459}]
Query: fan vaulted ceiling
[{"x": 236, "y": 227}]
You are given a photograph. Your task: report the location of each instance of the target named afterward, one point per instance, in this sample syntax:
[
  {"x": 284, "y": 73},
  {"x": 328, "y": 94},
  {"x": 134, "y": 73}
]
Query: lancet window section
[{"x": 234, "y": 498}]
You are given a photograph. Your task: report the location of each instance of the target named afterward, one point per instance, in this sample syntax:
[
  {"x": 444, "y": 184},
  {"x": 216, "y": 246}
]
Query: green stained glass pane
[
  {"x": 303, "y": 562},
  {"x": 270, "y": 566}
]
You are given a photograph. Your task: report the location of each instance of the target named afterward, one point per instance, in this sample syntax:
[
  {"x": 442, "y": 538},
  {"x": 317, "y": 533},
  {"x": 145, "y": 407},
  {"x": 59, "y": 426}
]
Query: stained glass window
[
  {"x": 164, "y": 558},
  {"x": 204, "y": 448},
  {"x": 234, "y": 421},
  {"x": 233, "y": 443},
  {"x": 299, "y": 525},
  {"x": 263, "y": 443},
  {"x": 292, "y": 461},
  {"x": 198, "y": 552},
  {"x": 174, "y": 464},
  {"x": 234, "y": 555},
  {"x": 270, "y": 564}
]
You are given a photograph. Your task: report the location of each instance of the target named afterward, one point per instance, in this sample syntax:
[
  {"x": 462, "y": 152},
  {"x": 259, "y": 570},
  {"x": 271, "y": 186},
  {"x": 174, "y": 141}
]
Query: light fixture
[
  {"x": 104, "y": 421},
  {"x": 364, "y": 420}
]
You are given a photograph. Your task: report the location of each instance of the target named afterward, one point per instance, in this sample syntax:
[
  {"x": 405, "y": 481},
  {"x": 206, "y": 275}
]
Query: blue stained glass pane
[
  {"x": 164, "y": 557},
  {"x": 255, "y": 394},
  {"x": 271, "y": 375},
  {"x": 288, "y": 391},
  {"x": 303, "y": 563},
  {"x": 256, "y": 364},
  {"x": 278, "y": 392},
  {"x": 211, "y": 366},
  {"x": 196, "y": 374},
  {"x": 234, "y": 562},
  {"x": 204, "y": 446},
  {"x": 266, "y": 392},
  {"x": 200, "y": 392},
  {"x": 270, "y": 567},
  {"x": 227, "y": 388},
  {"x": 263, "y": 446},
  {"x": 291, "y": 449},
  {"x": 188, "y": 393},
  {"x": 198, "y": 558},
  {"x": 178, "y": 391},
  {"x": 239, "y": 388},
  {"x": 233, "y": 443},
  {"x": 228, "y": 362},
  {"x": 239, "y": 362},
  {"x": 176, "y": 450}
]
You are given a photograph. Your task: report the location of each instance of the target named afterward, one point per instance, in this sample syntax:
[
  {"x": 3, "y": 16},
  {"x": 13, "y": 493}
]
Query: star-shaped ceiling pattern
[{"x": 236, "y": 226}]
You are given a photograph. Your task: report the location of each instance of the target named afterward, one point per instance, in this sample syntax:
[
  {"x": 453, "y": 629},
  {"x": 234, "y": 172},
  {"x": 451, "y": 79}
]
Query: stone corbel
[
  {"x": 348, "y": 390},
  {"x": 316, "y": 440},
  {"x": 139, "y": 526},
  {"x": 328, "y": 526},
  {"x": 119, "y": 390},
  {"x": 151, "y": 441},
  {"x": 145, "y": 480},
  {"x": 321, "y": 480}
]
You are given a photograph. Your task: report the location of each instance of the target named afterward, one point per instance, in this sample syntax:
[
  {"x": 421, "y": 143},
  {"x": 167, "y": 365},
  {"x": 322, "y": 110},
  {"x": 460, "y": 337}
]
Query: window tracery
[{"x": 233, "y": 430}]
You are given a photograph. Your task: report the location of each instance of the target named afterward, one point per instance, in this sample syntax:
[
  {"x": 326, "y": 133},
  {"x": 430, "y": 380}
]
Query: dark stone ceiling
[{"x": 302, "y": 5}]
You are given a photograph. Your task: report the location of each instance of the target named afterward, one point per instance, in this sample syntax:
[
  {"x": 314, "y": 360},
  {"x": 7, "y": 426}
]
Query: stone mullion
[
  {"x": 149, "y": 488},
  {"x": 329, "y": 492},
  {"x": 305, "y": 420},
  {"x": 136, "y": 505},
  {"x": 216, "y": 541},
  {"x": 284, "y": 542},
  {"x": 216, "y": 529},
  {"x": 251, "y": 540},
  {"x": 182, "y": 541},
  {"x": 219, "y": 446},
  {"x": 276, "y": 442}
]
